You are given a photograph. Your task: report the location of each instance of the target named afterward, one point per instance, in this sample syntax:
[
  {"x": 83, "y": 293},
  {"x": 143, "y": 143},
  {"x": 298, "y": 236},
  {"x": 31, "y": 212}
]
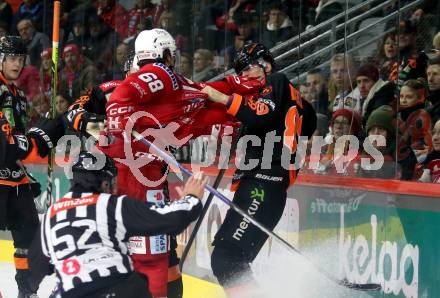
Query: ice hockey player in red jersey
[
  {"x": 171, "y": 101},
  {"x": 88, "y": 111}
]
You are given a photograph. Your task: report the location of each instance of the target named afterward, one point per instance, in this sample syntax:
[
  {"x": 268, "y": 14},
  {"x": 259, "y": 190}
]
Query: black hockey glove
[
  {"x": 79, "y": 120},
  {"x": 46, "y": 134}
]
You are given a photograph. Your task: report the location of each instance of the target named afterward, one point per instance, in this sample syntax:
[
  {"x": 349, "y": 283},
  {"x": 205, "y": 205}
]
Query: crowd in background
[{"x": 395, "y": 93}]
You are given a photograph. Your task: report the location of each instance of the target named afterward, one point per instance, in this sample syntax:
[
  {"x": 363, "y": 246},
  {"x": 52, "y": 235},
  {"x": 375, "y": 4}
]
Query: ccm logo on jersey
[{"x": 120, "y": 110}]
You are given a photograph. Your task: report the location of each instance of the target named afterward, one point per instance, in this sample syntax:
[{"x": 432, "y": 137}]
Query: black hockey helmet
[
  {"x": 89, "y": 173},
  {"x": 88, "y": 162},
  {"x": 252, "y": 53},
  {"x": 12, "y": 46}
]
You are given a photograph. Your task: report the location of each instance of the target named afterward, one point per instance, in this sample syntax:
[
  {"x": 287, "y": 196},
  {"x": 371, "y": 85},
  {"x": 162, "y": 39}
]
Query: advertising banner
[{"x": 350, "y": 232}]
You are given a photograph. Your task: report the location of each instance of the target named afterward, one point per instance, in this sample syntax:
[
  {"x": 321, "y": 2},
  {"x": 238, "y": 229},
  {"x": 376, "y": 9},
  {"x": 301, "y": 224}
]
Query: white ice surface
[{"x": 8, "y": 287}]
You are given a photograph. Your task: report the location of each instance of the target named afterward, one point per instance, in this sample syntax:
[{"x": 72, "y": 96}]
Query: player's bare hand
[{"x": 194, "y": 186}]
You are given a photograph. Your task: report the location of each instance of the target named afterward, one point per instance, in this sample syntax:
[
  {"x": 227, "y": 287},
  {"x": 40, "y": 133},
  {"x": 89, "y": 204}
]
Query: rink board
[{"x": 387, "y": 236}]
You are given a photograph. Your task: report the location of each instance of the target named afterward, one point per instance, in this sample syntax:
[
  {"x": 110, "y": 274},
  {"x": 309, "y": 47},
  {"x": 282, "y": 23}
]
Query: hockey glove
[
  {"x": 242, "y": 85},
  {"x": 80, "y": 120},
  {"x": 233, "y": 84},
  {"x": 46, "y": 134}
]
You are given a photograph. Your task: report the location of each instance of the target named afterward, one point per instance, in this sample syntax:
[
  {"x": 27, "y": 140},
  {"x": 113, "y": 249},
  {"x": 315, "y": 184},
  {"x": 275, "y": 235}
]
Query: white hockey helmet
[{"x": 150, "y": 44}]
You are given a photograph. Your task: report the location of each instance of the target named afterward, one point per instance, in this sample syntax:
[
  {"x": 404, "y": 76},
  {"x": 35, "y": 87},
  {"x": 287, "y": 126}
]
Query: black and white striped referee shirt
[{"x": 85, "y": 238}]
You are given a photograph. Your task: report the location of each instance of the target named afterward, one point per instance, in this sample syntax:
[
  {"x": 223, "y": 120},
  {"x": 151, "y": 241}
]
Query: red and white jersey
[{"x": 155, "y": 89}]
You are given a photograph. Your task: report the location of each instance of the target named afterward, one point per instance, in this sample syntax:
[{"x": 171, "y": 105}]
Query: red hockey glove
[{"x": 242, "y": 85}]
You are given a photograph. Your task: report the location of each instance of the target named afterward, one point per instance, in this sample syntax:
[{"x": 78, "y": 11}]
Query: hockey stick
[
  {"x": 172, "y": 162},
  {"x": 217, "y": 181},
  {"x": 52, "y": 114}
]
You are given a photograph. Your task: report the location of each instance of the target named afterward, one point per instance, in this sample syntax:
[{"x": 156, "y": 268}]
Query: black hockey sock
[{"x": 175, "y": 288}]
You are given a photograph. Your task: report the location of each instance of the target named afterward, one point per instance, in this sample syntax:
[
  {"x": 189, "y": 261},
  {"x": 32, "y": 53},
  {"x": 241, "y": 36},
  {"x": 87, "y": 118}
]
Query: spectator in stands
[
  {"x": 35, "y": 41},
  {"x": 327, "y": 9},
  {"x": 186, "y": 65},
  {"x": 167, "y": 21},
  {"x": 279, "y": 27},
  {"x": 343, "y": 122},
  {"x": 6, "y": 14},
  {"x": 388, "y": 55},
  {"x": 230, "y": 52},
  {"x": 303, "y": 91},
  {"x": 374, "y": 91},
  {"x": 245, "y": 32},
  {"x": 46, "y": 74},
  {"x": 120, "y": 56},
  {"x": 39, "y": 108},
  {"x": 79, "y": 34},
  {"x": 317, "y": 91},
  {"x": 415, "y": 124},
  {"x": 342, "y": 70},
  {"x": 142, "y": 9},
  {"x": 27, "y": 81},
  {"x": 114, "y": 15},
  {"x": 412, "y": 65},
  {"x": 237, "y": 7},
  {"x": 78, "y": 73},
  {"x": 62, "y": 103},
  {"x": 34, "y": 10},
  {"x": 203, "y": 65},
  {"x": 381, "y": 123},
  {"x": 100, "y": 39},
  {"x": 427, "y": 7},
  {"x": 431, "y": 165},
  {"x": 433, "y": 74},
  {"x": 299, "y": 11},
  {"x": 245, "y": 26},
  {"x": 97, "y": 48},
  {"x": 366, "y": 76},
  {"x": 144, "y": 24}
]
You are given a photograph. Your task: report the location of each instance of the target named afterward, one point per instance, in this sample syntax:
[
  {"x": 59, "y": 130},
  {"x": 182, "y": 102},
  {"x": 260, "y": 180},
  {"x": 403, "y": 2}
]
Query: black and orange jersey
[
  {"x": 95, "y": 99},
  {"x": 13, "y": 106},
  {"x": 92, "y": 103},
  {"x": 277, "y": 116}
]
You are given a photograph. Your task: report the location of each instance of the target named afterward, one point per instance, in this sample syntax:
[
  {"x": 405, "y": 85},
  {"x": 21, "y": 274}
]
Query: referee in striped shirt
[{"x": 83, "y": 236}]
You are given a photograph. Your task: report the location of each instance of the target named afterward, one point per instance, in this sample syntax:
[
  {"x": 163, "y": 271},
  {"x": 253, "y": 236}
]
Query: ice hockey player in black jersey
[
  {"x": 84, "y": 235},
  {"x": 275, "y": 114},
  {"x": 17, "y": 189}
]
